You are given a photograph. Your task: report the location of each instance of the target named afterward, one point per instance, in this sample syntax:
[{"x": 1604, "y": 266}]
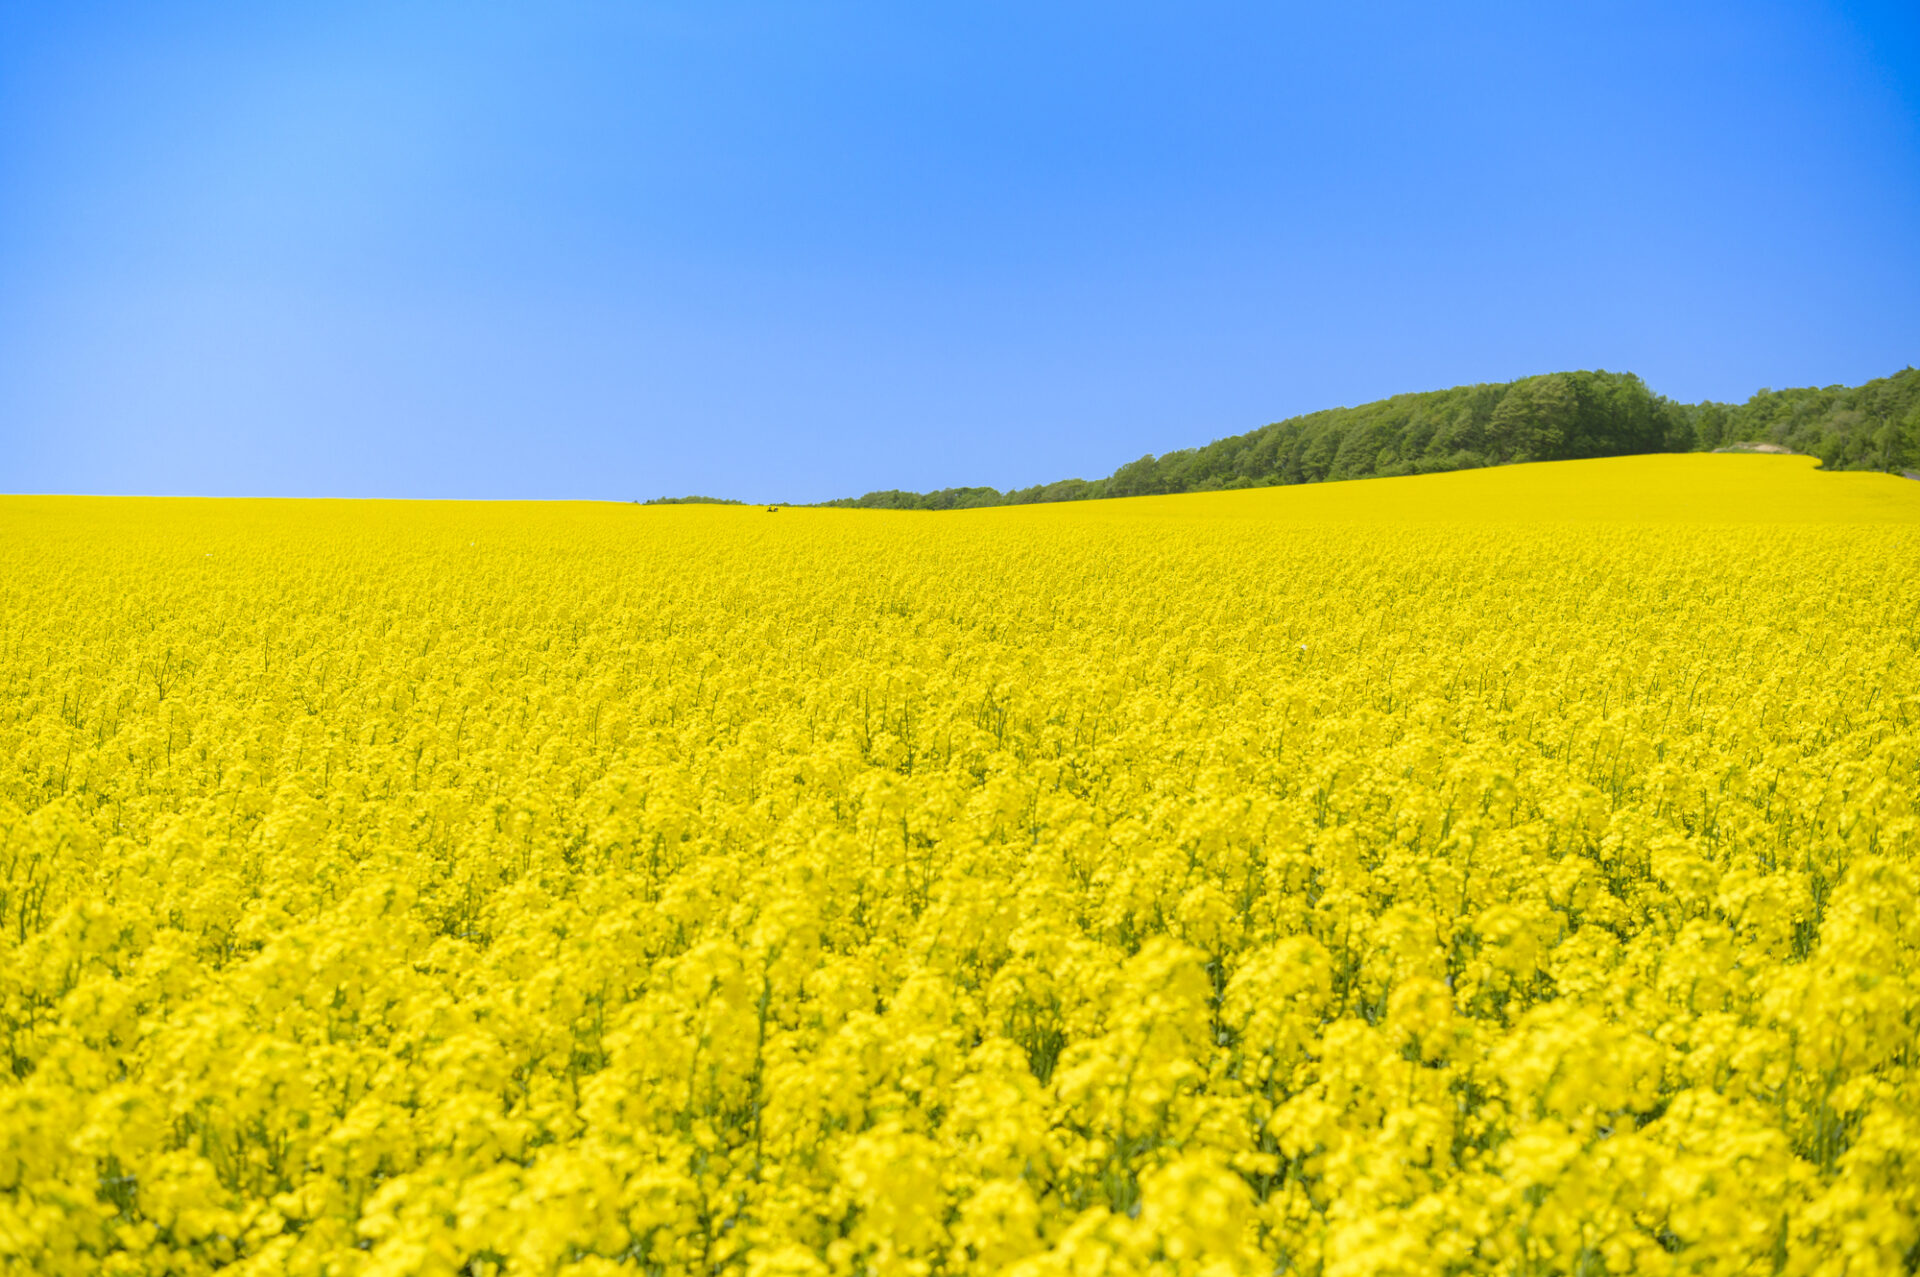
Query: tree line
[{"x": 1560, "y": 416}]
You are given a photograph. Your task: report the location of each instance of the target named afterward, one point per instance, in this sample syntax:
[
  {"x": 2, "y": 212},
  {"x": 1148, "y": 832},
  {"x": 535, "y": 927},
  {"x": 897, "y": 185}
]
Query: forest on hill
[{"x": 1560, "y": 416}]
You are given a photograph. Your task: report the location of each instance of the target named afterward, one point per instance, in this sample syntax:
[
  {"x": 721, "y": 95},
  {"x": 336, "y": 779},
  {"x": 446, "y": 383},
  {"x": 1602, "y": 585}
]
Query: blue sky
[{"x": 803, "y": 250}]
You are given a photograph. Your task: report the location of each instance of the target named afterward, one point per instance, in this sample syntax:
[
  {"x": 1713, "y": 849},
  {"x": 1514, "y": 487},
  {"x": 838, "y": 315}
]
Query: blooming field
[{"x": 1511, "y": 871}]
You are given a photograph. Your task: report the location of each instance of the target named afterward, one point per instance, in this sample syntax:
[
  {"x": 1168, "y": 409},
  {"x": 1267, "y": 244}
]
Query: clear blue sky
[{"x": 802, "y": 250}]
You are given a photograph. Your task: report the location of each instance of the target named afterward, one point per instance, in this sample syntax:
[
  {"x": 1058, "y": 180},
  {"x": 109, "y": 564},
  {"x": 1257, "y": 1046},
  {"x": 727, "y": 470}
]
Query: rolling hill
[{"x": 1560, "y": 416}]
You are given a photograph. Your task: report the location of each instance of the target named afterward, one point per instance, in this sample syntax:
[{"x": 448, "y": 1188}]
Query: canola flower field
[{"x": 1512, "y": 871}]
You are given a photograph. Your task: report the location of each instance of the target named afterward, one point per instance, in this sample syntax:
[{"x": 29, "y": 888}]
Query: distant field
[{"x": 1512, "y": 870}]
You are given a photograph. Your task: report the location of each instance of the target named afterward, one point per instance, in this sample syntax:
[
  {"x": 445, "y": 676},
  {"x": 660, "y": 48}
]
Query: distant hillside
[{"x": 1560, "y": 416}]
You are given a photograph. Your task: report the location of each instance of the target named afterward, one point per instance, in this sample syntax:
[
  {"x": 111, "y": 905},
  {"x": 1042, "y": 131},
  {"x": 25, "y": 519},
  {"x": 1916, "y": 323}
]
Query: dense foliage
[
  {"x": 1870, "y": 427},
  {"x": 1558, "y": 417},
  {"x": 1417, "y": 877}
]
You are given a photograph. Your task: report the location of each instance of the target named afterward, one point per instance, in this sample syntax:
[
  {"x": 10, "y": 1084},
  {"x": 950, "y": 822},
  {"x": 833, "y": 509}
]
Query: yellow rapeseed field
[{"x": 1512, "y": 871}]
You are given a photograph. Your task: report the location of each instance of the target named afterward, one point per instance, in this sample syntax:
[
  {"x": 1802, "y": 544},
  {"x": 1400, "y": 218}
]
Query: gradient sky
[{"x": 803, "y": 250}]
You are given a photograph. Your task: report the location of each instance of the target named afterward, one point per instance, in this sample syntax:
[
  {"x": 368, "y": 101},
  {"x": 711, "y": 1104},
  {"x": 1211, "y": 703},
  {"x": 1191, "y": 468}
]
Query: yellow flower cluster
[{"x": 1507, "y": 872}]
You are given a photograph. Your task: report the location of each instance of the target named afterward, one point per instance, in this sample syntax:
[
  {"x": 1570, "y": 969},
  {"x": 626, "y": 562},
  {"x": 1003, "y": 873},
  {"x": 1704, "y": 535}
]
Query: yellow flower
[{"x": 1513, "y": 872}]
